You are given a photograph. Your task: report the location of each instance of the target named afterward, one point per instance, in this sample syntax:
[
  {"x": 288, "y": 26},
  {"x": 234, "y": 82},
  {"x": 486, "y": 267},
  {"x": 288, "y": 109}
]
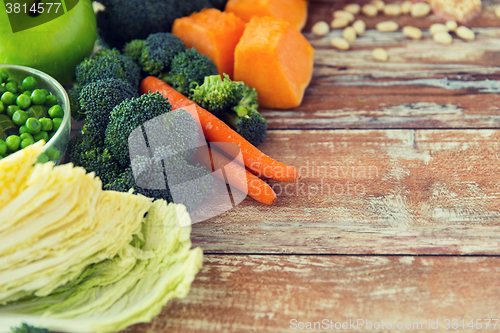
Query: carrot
[
  {"x": 237, "y": 175},
  {"x": 216, "y": 130}
]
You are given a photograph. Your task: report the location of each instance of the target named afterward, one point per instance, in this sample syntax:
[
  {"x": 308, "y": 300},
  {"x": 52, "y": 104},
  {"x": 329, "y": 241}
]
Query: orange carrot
[
  {"x": 245, "y": 181},
  {"x": 216, "y": 130}
]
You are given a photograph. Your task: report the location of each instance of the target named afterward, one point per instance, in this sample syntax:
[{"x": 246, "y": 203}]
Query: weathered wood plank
[
  {"x": 264, "y": 293},
  {"x": 372, "y": 191},
  {"x": 423, "y": 85}
]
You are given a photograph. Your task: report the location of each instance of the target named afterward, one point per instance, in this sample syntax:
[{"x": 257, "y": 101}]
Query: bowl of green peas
[{"x": 33, "y": 107}]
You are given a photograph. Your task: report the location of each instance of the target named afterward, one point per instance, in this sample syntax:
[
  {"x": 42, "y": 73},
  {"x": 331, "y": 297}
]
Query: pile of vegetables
[
  {"x": 268, "y": 53},
  {"x": 80, "y": 259},
  {"x": 106, "y": 95}
]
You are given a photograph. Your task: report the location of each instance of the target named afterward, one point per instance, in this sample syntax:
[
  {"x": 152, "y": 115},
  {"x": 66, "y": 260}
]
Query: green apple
[{"x": 54, "y": 47}]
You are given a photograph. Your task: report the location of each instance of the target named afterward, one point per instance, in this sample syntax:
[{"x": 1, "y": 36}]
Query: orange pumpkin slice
[
  {"x": 293, "y": 11},
  {"x": 276, "y": 59},
  {"x": 212, "y": 33}
]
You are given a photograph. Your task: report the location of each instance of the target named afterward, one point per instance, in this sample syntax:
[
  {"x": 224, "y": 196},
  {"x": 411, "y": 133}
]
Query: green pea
[
  {"x": 29, "y": 83},
  {"x": 51, "y": 135},
  {"x": 46, "y": 124},
  {"x": 2, "y": 107},
  {"x": 11, "y": 86},
  {"x": 13, "y": 142},
  {"x": 23, "y": 101},
  {"x": 33, "y": 126},
  {"x": 25, "y": 136},
  {"x": 38, "y": 111},
  {"x": 27, "y": 93},
  {"x": 11, "y": 109},
  {"x": 19, "y": 117},
  {"x": 56, "y": 112},
  {"x": 8, "y": 98},
  {"x": 42, "y": 158},
  {"x": 23, "y": 129},
  {"x": 51, "y": 100},
  {"x": 38, "y": 97},
  {"x": 45, "y": 91},
  {"x": 3, "y": 147},
  {"x": 26, "y": 142},
  {"x": 2, "y": 157},
  {"x": 2, "y": 89},
  {"x": 53, "y": 153},
  {"x": 4, "y": 76},
  {"x": 56, "y": 122},
  {"x": 41, "y": 136}
]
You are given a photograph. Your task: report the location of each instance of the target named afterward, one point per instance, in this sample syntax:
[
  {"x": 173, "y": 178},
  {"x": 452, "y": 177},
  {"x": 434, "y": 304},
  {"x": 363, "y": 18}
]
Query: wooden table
[{"x": 397, "y": 217}]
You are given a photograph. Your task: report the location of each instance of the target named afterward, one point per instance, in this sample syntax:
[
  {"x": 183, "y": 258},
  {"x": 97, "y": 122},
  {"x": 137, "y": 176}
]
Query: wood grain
[
  {"x": 372, "y": 191},
  {"x": 264, "y": 293},
  {"x": 423, "y": 85}
]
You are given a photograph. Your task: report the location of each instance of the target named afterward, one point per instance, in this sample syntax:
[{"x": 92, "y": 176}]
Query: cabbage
[{"x": 86, "y": 260}]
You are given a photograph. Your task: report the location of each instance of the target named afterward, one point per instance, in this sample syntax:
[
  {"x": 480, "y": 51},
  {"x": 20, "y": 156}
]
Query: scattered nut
[
  {"x": 412, "y": 32},
  {"x": 359, "y": 26},
  {"x": 406, "y": 7},
  {"x": 452, "y": 25},
  {"x": 340, "y": 22},
  {"x": 438, "y": 27},
  {"x": 369, "y": 10},
  {"x": 379, "y": 4},
  {"x": 349, "y": 34},
  {"x": 353, "y": 8},
  {"x": 443, "y": 37},
  {"x": 387, "y": 26},
  {"x": 340, "y": 43},
  {"x": 380, "y": 54},
  {"x": 497, "y": 12},
  {"x": 465, "y": 33},
  {"x": 320, "y": 28},
  {"x": 392, "y": 10},
  {"x": 420, "y": 9},
  {"x": 343, "y": 13}
]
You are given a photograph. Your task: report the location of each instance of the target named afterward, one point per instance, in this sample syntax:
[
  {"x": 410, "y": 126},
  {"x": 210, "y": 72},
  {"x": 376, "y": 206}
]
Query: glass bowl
[{"x": 55, "y": 148}]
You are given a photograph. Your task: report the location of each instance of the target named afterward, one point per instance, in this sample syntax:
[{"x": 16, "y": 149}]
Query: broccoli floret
[
  {"x": 251, "y": 126},
  {"x": 108, "y": 65},
  {"x": 97, "y": 100},
  {"x": 129, "y": 115},
  {"x": 25, "y": 328},
  {"x": 73, "y": 95},
  {"x": 160, "y": 170},
  {"x": 188, "y": 70},
  {"x": 133, "y": 49},
  {"x": 245, "y": 118},
  {"x": 126, "y": 20},
  {"x": 185, "y": 184},
  {"x": 158, "y": 52},
  {"x": 217, "y": 95},
  {"x": 188, "y": 184},
  {"x": 234, "y": 103},
  {"x": 81, "y": 152},
  {"x": 106, "y": 51},
  {"x": 126, "y": 181}
]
